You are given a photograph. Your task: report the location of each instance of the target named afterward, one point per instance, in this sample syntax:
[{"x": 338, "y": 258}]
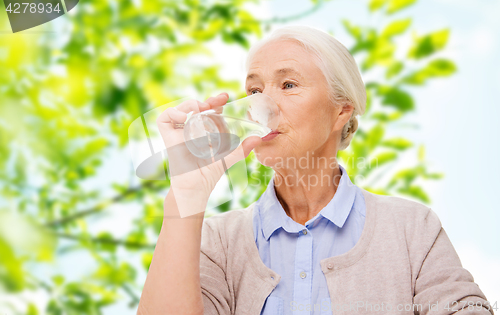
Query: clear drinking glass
[
  {"x": 216, "y": 133},
  {"x": 207, "y": 135}
]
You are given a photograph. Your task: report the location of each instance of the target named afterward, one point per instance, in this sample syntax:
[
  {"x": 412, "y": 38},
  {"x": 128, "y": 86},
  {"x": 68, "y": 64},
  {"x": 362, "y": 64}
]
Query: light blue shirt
[{"x": 294, "y": 250}]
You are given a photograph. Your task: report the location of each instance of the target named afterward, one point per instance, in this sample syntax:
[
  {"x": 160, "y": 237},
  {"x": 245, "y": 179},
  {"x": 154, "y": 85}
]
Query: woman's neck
[{"x": 303, "y": 192}]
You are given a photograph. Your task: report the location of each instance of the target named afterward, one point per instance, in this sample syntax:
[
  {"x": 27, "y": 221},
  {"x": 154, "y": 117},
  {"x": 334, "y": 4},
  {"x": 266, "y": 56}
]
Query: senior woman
[{"x": 313, "y": 243}]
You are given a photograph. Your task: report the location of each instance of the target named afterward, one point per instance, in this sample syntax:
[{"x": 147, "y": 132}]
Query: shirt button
[
  {"x": 330, "y": 266},
  {"x": 304, "y": 231},
  {"x": 303, "y": 275}
]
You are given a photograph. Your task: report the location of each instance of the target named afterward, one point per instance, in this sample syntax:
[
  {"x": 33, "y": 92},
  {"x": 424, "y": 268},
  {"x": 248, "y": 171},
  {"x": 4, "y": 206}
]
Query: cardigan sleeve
[
  {"x": 442, "y": 285},
  {"x": 214, "y": 287}
]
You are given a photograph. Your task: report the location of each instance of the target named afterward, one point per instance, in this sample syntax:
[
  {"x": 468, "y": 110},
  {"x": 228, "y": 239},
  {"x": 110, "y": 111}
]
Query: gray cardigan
[{"x": 403, "y": 261}]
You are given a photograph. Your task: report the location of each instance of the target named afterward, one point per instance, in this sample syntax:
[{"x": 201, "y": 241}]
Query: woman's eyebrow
[
  {"x": 280, "y": 72},
  {"x": 252, "y": 76},
  {"x": 285, "y": 71}
]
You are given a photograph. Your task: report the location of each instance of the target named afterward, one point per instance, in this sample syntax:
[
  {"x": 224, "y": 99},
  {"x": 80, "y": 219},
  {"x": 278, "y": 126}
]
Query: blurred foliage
[
  {"x": 371, "y": 149},
  {"x": 65, "y": 107}
]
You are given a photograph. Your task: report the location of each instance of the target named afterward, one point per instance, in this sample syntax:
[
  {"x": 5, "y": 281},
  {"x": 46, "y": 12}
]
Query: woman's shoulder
[
  {"x": 407, "y": 219},
  {"x": 405, "y": 211}
]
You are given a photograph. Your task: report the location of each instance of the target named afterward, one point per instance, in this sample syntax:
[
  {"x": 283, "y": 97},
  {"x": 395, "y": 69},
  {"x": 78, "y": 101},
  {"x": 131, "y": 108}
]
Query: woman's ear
[{"x": 343, "y": 116}]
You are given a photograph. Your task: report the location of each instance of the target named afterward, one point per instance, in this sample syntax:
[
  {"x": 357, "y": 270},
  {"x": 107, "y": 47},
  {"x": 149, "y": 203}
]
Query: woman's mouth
[{"x": 270, "y": 136}]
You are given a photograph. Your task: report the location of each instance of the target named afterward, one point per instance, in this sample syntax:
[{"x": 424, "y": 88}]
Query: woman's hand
[{"x": 191, "y": 181}]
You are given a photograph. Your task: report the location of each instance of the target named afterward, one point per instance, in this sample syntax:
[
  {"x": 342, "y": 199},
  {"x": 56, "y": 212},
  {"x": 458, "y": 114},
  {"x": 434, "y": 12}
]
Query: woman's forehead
[
  {"x": 281, "y": 54},
  {"x": 281, "y": 58},
  {"x": 281, "y": 50}
]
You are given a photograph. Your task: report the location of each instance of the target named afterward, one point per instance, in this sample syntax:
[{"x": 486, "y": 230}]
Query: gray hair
[{"x": 337, "y": 65}]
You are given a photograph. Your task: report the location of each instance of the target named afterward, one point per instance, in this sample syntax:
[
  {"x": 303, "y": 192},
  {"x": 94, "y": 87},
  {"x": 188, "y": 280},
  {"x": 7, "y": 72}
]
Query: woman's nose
[
  {"x": 274, "y": 98},
  {"x": 272, "y": 95}
]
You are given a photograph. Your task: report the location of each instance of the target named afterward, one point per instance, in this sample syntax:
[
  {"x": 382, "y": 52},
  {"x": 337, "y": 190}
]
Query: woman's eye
[
  {"x": 254, "y": 92},
  {"x": 289, "y": 85}
]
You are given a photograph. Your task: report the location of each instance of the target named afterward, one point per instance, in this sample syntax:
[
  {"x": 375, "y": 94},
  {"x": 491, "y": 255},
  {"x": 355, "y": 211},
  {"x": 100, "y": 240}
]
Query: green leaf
[
  {"x": 54, "y": 308},
  {"x": 105, "y": 242},
  {"x": 375, "y": 5},
  {"x": 96, "y": 145},
  {"x": 224, "y": 206},
  {"x": 384, "y": 117},
  {"x": 373, "y": 85},
  {"x": 32, "y": 309},
  {"x": 58, "y": 280},
  {"x": 369, "y": 100},
  {"x": 146, "y": 260},
  {"x": 441, "y": 67},
  {"x": 381, "y": 52},
  {"x": 383, "y": 158},
  {"x": 435, "y": 68},
  {"x": 434, "y": 175},
  {"x": 397, "y": 98},
  {"x": 115, "y": 275},
  {"x": 207, "y": 33},
  {"x": 406, "y": 176},
  {"x": 355, "y": 31},
  {"x": 12, "y": 276},
  {"x": 397, "y": 143},
  {"x": 428, "y": 44},
  {"x": 394, "y": 69},
  {"x": 378, "y": 191},
  {"x": 395, "y": 115},
  {"x": 359, "y": 149},
  {"x": 416, "y": 192},
  {"x": 421, "y": 153},
  {"x": 235, "y": 37},
  {"x": 397, "y": 5},
  {"x": 375, "y": 135},
  {"x": 136, "y": 237},
  {"x": 396, "y": 27}
]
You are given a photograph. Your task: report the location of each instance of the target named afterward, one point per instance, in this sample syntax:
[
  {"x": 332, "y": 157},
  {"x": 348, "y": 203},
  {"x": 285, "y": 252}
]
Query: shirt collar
[{"x": 273, "y": 216}]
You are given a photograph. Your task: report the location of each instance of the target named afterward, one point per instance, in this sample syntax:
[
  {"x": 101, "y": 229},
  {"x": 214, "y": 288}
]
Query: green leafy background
[{"x": 77, "y": 228}]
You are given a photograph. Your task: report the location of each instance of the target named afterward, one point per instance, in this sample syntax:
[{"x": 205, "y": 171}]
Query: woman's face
[{"x": 309, "y": 122}]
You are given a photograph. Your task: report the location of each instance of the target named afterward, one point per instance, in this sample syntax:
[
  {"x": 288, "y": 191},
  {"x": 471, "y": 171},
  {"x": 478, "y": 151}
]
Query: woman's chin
[{"x": 267, "y": 155}]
